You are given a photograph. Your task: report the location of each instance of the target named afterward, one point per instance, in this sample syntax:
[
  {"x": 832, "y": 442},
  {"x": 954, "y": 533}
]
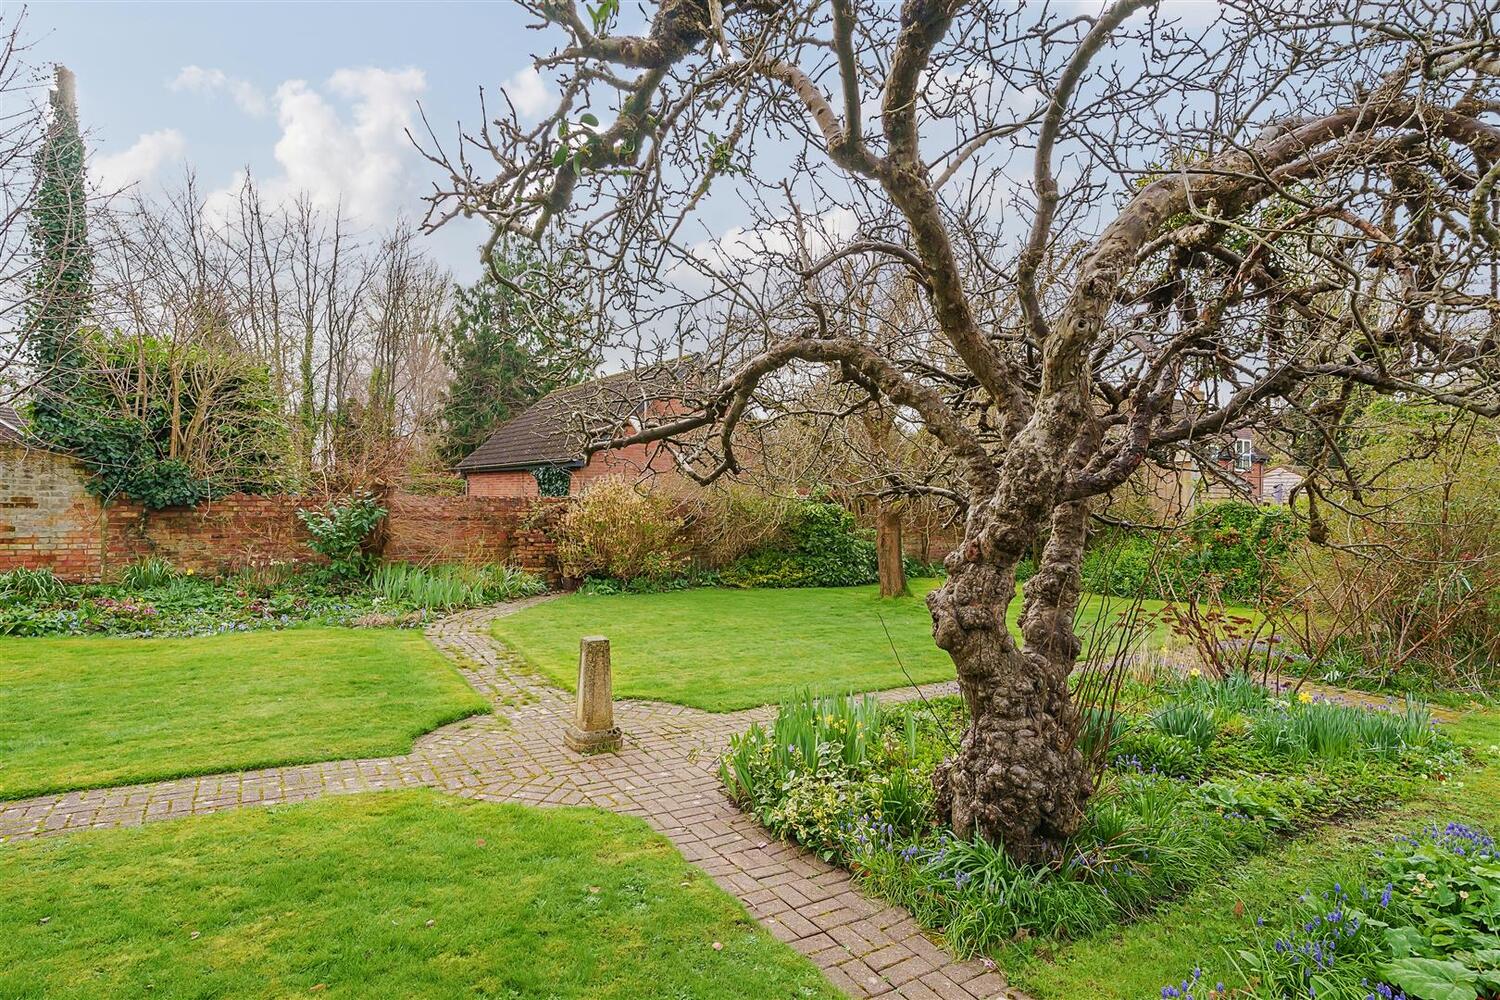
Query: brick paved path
[{"x": 666, "y": 774}]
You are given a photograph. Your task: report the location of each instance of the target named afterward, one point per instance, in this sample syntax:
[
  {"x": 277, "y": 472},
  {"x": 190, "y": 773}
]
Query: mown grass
[
  {"x": 1137, "y": 959},
  {"x": 92, "y": 712},
  {"x": 388, "y": 895},
  {"x": 722, "y": 650}
]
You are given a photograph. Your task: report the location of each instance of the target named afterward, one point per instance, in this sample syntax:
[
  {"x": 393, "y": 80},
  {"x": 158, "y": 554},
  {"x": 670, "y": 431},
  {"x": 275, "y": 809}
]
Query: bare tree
[
  {"x": 22, "y": 132},
  {"x": 1130, "y": 234},
  {"x": 343, "y": 327}
]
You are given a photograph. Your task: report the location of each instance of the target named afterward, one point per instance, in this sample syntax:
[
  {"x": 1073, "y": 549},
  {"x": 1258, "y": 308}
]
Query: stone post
[{"x": 593, "y": 727}]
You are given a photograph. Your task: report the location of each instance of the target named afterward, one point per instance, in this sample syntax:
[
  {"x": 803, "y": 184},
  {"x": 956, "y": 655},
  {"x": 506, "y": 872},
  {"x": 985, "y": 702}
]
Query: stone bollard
[{"x": 593, "y": 728}]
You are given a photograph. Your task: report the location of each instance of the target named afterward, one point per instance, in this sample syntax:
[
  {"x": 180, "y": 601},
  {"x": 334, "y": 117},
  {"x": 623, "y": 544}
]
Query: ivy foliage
[
  {"x": 61, "y": 282},
  {"x": 168, "y": 425},
  {"x": 553, "y": 480},
  {"x": 822, "y": 548}
]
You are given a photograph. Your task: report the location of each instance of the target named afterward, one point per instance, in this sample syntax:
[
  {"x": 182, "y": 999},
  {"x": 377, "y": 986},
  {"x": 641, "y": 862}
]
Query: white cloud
[
  {"x": 197, "y": 80},
  {"x": 749, "y": 253},
  {"x": 528, "y": 91},
  {"x": 343, "y": 146},
  {"x": 114, "y": 171},
  {"x": 361, "y": 163}
]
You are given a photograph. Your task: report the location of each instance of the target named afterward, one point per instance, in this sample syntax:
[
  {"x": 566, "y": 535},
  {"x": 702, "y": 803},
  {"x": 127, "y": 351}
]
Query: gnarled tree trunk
[{"x": 1017, "y": 778}]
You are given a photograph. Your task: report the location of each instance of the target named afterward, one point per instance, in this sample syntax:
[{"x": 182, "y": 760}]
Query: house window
[
  {"x": 553, "y": 480},
  {"x": 1244, "y": 454}
]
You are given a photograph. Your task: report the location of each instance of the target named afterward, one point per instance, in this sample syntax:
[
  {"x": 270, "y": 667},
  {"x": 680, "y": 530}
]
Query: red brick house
[{"x": 545, "y": 443}]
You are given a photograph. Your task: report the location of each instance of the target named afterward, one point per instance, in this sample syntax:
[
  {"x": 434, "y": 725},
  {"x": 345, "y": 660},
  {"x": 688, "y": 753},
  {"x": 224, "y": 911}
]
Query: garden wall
[{"x": 49, "y": 520}]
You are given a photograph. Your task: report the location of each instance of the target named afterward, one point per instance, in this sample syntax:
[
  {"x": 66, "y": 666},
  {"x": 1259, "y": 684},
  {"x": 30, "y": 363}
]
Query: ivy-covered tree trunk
[{"x": 60, "y": 285}]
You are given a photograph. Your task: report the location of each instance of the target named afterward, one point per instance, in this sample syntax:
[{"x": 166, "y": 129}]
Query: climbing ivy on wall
[{"x": 553, "y": 480}]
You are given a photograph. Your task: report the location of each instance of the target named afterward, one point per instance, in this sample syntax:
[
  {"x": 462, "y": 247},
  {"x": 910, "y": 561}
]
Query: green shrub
[
  {"x": 1123, "y": 566},
  {"x": 339, "y": 534},
  {"x": 807, "y": 776},
  {"x": 607, "y": 586},
  {"x": 822, "y": 549},
  {"x": 615, "y": 529},
  {"x": 1232, "y": 545}
]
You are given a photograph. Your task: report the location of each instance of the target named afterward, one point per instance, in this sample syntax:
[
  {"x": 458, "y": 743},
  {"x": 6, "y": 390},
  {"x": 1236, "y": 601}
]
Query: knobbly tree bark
[{"x": 1208, "y": 261}]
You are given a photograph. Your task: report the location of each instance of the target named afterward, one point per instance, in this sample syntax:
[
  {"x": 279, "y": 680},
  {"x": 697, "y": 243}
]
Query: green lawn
[
  {"x": 395, "y": 894},
  {"x": 721, "y": 650},
  {"x": 88, "y": 712},
  {"x": 1137, "y": 960}
]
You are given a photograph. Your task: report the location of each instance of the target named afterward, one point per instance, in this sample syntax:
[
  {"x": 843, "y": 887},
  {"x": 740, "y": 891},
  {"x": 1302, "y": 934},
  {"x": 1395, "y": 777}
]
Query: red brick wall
[
  {"x": 475, "y": 529},
  {"x": 502, "y": 484},
  {"x": 48, "y": 519},
  {"x": 634, "y": 462},
  {"x": 220, "y": 536},
  {"x": 631, "y": 462}
]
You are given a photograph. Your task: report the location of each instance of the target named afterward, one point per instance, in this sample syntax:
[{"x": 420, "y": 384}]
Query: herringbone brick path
[{"x": 665, "y": 773}]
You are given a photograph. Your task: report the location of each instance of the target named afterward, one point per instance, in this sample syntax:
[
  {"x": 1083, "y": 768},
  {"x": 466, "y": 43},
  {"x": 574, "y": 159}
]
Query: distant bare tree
[
  {"x": 22, "y": 130},
  {"x": 1270, "y": 213},
  {"x": 346, "y": 324}
]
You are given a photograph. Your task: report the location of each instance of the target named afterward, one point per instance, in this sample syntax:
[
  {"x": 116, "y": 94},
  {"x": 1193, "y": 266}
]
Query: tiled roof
[
  {"x": 555, "y": 429},
  {"x": 12, "y": 427}
]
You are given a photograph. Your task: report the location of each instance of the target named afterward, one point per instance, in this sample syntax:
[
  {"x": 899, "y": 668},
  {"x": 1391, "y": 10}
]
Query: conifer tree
[{"x": 513, "y": 340}]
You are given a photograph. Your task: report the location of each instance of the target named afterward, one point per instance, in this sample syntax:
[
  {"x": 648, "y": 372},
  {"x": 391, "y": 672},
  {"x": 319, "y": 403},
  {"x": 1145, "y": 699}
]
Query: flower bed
[
  {"x": 1425, "y": 925},
  {"x": 153, "y": 599},
  {"x": 1199, "y": 774}
]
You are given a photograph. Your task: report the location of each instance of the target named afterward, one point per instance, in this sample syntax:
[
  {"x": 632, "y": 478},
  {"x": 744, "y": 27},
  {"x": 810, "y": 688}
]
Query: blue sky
[{"x": 306, "y": 95}]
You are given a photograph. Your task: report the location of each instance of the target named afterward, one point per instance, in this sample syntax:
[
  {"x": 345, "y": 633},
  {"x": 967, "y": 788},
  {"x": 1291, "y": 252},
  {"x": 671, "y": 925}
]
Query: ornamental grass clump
[
  {"x": 1325, "y": 730},
  {"x": 446, "y": 587},
  {"x": 31, "y": 586},
  {"x": 1188, "y": 720},
  {"x": 148, "y": 574}
]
